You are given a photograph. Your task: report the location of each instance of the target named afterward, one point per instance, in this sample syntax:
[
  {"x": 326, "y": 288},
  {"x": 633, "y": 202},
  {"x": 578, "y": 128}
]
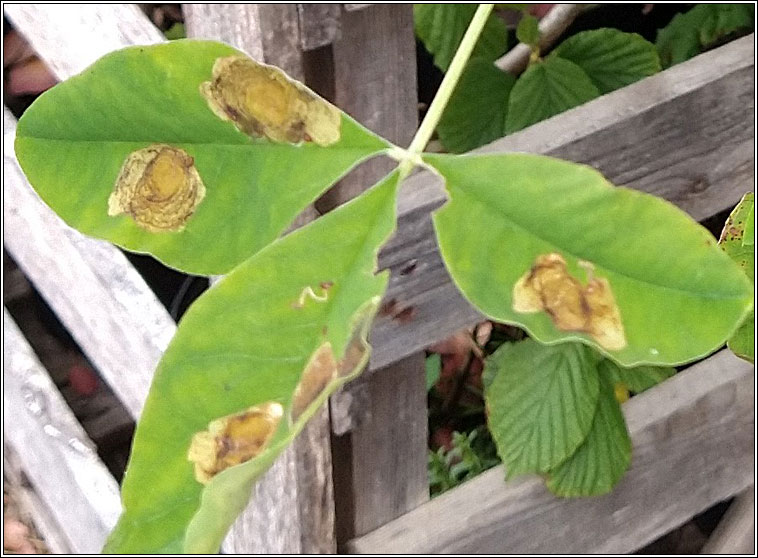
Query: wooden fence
[{"x": 356, "y": 479}]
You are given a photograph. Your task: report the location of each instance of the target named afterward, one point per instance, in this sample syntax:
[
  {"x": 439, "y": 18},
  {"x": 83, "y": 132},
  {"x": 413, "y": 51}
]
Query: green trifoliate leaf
[
  {"x": 611, "y": 58},
  {"x": 738, "y": 241},
  {"x": 602, "y": 459},
  {"x": 166, "y": 149},
  {"x": 541, "y": 403},
  {"x": 477, "y": 110},
  {"x": 547, "y": 88},
  {"x": 528, "y": 30},
  {"x": 442, "y": 26},
  {"x": 251, "y": 361},
  {"x": 567, "y": 255},
  {"x": 701, "y": 28}
]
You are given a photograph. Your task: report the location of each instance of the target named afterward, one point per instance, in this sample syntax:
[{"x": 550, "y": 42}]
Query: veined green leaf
[
  {"x": 669, "y": 294},
  {"x": 611, "y": 58},
  {"x": 477, "y": 109},
  {"x": 250, "y": 341},
  {"x": 637, "y": 379},
  {"x": 442, "y": 26},
  {"x": 541, "y": 403},
  {"x": 528, "y": 31},
  {"x": 737, "y": 240},
  {"x": 602, "y": 459},
  {"x": 73, "y": 141},
  {"x": 547, "y": 88}
]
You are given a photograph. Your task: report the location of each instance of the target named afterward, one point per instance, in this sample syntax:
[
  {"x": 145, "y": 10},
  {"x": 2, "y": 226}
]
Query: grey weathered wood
[
  {"x": 70, "y": 38},
  {"x": 735, "y": 533},
  {"x": 693, "y": 446},
  {"x": 291, "y": 509},
  {"x": 685, "y": 134},
  {"x": 55, "y": 453},
  {"x": 319, "y": 24},
  {"x": 101, "y": 299}
]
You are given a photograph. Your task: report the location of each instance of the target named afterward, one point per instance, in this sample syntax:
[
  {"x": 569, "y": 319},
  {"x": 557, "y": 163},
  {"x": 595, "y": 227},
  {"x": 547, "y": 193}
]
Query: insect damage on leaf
[
  {"x": 308, "y": 292},
  {"x": 263, "y": 102},
  {"x": 591, "y": 309},
  {"x": 233, "y": 439},
  {"x": 159, "y": 187},
  {"x": 317, "y": 375}
]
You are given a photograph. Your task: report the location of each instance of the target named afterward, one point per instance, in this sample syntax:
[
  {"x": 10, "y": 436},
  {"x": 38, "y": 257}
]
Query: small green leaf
[
  {"x": 547, "y": 88},
  {"x": 602, "y": 459},
  {"x": 541, "y": 403},
  {"x": 528, "y": 30},
  {"x": 176, "y": 31},
  {"x": 671, "y": 295},
  {"x": 611, "y": 58},
  {"x": 737, "y": 240},
  {"x": 702, "y": 27},
  {"x": 477, "y": 109},
  {"x": 442, "y": 26},
  {"x": 637, "y": 379},
  {"x": 246, "y": 342},
  {"x": 74, "y": 140},
  {"x": 433, "y": 365}
]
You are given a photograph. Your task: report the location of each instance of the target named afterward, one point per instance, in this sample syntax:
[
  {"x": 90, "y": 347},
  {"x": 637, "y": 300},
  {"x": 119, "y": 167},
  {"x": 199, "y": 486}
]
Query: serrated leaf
[
  {"x": 540, "y": 403},
  {"x": 547, "y": 88},
  {"x": 700, "y": 28},
  {"x": 671, "y": 295},
  {"x": 602, "y": 459},
  {"x": 737, "y": 240},
  {"x": 249, "y": 341},
  {"x": 477, "y": 109},
  {"x": 528, "y": 31},
  {"x": 637, "y": 379},
  {"x": 442, "y": 26},
  {"x": 611, "y": 58},
  {"x": 73, "y": 141}
]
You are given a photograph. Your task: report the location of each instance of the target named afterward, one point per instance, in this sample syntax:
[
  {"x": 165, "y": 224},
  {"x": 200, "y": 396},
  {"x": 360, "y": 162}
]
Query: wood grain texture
[
  {"x": 693, "y": 447},
  {"x": 319, "y": 24},
  {"x": 96, "y": 293},
  {"x": 685, "y": 134},
  {"x": 78, "y": 491},
  {"x": 735, "y": 533},
  {"x": 70, "y": 38}
]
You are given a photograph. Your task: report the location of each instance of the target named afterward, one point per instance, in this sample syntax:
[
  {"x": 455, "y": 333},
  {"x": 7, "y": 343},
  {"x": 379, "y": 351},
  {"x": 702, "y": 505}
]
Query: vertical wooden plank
[
  {"x": 380, "y": 465},
  {"x": 291, "y": 510}
]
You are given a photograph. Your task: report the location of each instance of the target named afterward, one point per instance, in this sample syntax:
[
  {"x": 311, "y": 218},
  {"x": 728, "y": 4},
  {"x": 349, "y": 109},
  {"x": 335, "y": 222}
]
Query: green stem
[{"x": 447, "y": 87}]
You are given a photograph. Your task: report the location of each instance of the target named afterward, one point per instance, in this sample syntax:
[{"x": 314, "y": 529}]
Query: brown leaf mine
[
  {"x": 233, "y": 439},
  {"x": 591, "y": 309},
  {"x": 159, "y": 187},
  {"x": 317, "y": 375},
  {"x": 262, "y": 101}
]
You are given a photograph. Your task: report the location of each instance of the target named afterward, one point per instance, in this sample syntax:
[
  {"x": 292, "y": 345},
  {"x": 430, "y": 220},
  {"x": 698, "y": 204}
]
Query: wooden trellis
[{"x": 356, "y": 478}]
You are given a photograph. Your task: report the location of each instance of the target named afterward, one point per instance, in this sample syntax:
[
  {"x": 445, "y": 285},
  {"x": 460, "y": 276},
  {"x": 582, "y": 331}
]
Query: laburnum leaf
[
  {"x": 568, "y": 256},
  {"x": 252, "y": 360},
  {"x": 548, "y": 87},
  {"x": 442, "y": 26},
  {"x": 167, "y": 150},
  {"x": 541, "y": 402},
  {"x": 602, "y": 459},
  {"x": 611, "y": 58},
  {"x": 477, "y": 110}
]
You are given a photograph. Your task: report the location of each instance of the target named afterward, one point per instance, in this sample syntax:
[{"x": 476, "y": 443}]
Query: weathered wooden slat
[
  {"x": 54, "y": 451},
  {"x": 693, "y": 447},
  {"x": 319, "y": 24},
  {"x": 735, "y": 533},
  {"x": 71, "y": 38},
  {"x": 96, "y": 293},
  {"x": 685, "y": 134}
]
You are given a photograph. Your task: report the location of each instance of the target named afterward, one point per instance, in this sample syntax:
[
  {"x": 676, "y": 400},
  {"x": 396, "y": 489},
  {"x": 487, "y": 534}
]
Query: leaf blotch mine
[
  {"x": 263, "y": 102},
  {"x": 320, "y": 371},
  {"x": 590, "y": 309},
  {"x": 233, "y": 439},
  {"x": 158, "y": 187}
]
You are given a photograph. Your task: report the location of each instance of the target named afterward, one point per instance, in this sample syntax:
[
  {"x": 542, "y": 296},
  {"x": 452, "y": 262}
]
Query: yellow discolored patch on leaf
[
  {"x": 263, "y": 102},
  {"x": 233, "y": 439},
  {"x": 159, "y": 187},
  {"x": 621, "y": 392},
  {"x": 591, "y": 309},
  {"x": 317, "y": 375}
]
